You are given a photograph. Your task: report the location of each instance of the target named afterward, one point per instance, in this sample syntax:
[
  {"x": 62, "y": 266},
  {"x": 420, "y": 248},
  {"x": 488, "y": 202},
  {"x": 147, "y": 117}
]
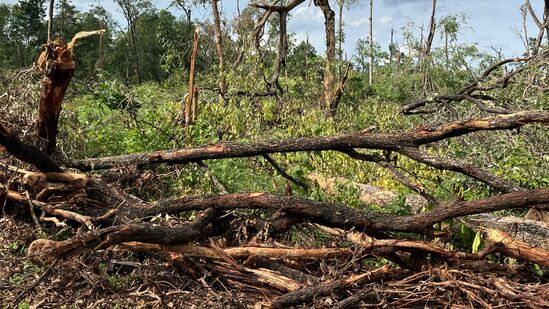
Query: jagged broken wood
[{"x": 57, "y": 63}]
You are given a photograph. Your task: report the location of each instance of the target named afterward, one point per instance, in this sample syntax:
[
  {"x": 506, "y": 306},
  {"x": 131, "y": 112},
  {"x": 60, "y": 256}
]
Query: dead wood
[
  {"x": 243, "y": 252},
  {"x": 476, "y": 91},
  {"x": 534, "y": 231},
  {"x": 26, "y": 152},
  {"x": 307, "y": 294},
  {"x": 257, "y": 261},
  {"x": 45, "y": 251},
  {"x": 341, "y": 216},
  {"x": 57, "y": 63},
  {"x": 190, "y": 110},
  {"x": 384, "y": 141}
]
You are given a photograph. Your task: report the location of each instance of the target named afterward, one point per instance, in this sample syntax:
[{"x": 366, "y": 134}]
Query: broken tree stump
[{"x": 57, "y": 63}]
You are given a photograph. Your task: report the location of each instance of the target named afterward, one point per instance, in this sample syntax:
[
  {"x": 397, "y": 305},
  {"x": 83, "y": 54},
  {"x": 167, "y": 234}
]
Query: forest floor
[
  {"x": 117, "y": 278},
  {"x": 85, "y": 282}
]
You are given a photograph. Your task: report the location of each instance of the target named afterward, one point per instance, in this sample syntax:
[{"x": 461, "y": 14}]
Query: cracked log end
[{"x": 40, "y": 251}]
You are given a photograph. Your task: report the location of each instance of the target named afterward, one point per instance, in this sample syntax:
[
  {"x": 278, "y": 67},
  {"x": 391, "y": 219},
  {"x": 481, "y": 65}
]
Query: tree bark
[
  {"x": 26, "y": 152},
  {"x": 382, "y": 141},
  {"x": 219, "y": 50},
  {"x": 341, "y": 216},
  {"x": 58, "y": 64},
  {"x": 329, "y": 80},
  {"x": 189, "y": 114},
  {"x": 431, "y": 35},
  {"x": 371, "y": 35}
]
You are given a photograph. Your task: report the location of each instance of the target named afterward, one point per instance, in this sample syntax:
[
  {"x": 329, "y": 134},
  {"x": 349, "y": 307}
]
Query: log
[
  {"x": 341, "y": 216},
  {"x": 26, "y": 152},
  {"x": 517, "y": 248},
  {"x": 535, "y": 232},
  {"x": 45, "y": 251},
  {"x": 307, "y": 294},
  {"x": 369, "y": 244},
  {"x": 243, "y": 252},
  {"x": 383, "y": 141},
  {"x": 261, "y": 262}
]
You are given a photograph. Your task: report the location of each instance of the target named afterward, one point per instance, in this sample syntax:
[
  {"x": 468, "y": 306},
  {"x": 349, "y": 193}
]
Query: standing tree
[
  {"x": 371, "y": 36},
  {"x": 132, "y": 10},
  {"x": 328, "y": 83},
  {"x": 28, "y": 29},
  {"x": 282, "y": 11},
  {"x": 431, "y": 35},
  {"x": 50, "y": 19},
  {"x": 219, "y": 49},
  {"x": 340, "y": 33},
  {"x": 450, "y": 26}
]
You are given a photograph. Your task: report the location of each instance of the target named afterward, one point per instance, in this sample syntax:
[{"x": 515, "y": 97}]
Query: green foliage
[
  {"x": 111, "y": 113},
  {"x": 477, "y": 242}
]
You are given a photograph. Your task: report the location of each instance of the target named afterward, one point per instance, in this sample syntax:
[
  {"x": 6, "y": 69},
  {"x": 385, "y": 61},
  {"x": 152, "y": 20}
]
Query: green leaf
[{"x": 477, "y": 242}]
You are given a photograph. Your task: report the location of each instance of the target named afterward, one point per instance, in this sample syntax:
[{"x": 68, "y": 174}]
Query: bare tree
[
  {"x": 340, "y": 33},
  {"x": 219, "y": 49},
  {"x": 371, "y": 67},
  {"x": 329, "y": 23},
  {"x": 282, "y": 11},
  {"x": 130, "y": 9},
  {"x": 50, "y": 19},
  {"x": 431, "y": 35}
]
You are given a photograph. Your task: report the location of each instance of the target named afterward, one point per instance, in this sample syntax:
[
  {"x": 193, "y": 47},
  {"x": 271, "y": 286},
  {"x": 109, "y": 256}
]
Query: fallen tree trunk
[
  {"x": 382, "y": 141},
  {"x": 337, "y": 215},
  {"x": 26, "y": 152},
  {"x": 536, "y": 232},
  {"x": 333, "y": 215},
  {"x": 243, "y": 252}
]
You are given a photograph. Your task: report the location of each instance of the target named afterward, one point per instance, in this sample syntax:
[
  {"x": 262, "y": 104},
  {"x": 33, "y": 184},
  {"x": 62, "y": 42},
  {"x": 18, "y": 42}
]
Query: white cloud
[
  {"x": 359, "y": 22},
  {"x": 308, "y": 14},
  {"x": 385, "y": 20}
]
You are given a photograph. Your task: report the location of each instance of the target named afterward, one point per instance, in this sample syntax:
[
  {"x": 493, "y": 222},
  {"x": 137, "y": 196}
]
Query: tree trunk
[
  {"x": 219, "y": 49},
  {"x": 340, "y": 35},
  {"x": 431, "y": 35},
  {"x": 282, "y": 49},
  {"x": 371, "y": 68},
  {"x": 403, "y": 143},
  {"x": 50, "y": 19},
  {"x": 62, "y": 29},
  {"x": 329, "y": 23},
  {"x": 57, "y": 63}
]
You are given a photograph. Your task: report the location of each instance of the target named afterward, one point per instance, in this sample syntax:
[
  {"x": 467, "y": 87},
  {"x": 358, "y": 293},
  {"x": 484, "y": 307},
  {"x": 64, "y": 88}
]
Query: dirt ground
[
  {"x": 117, "y": 278},
  {"x": 86, "y": 281}
]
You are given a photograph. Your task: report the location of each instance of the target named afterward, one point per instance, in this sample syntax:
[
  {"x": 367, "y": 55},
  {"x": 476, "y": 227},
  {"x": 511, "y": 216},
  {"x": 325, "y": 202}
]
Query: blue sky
[{"x": 491, "y": 23}]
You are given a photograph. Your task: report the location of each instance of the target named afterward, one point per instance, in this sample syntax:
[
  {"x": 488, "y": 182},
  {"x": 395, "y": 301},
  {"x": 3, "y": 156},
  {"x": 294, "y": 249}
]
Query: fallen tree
[
  {"x": 115, "y": 219},
  {"x": 238, "y": 239}
]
